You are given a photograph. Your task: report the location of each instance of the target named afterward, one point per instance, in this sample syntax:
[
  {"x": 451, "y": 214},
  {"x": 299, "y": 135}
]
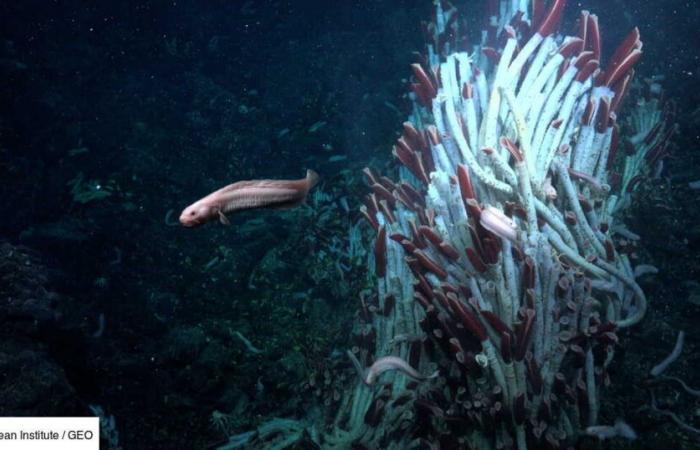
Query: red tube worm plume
[
  {"x": 372, "y": 177},
  {"x": 495, "y": 322},
  {"x": 413, "y": 137},
  {"x": 369, "y": 217},
  {"x": 467, "y": 190},
  {"x": 416, "y": 235},
  {"x": 491, "y": 248},
  {"x": 624, "y": 57},
  {"x": 398, "y": 237},
  {"x": 430, "y": 234},
  {"x": 487, "y": 246},
  {"x": 430, "y": 217},
  {"x": 512, "y": 149},
  {"x": 411, "y": 160},
  {"x": 584, "y": 57},
  {"x": 427, "y": 158},
  {"x": 475, "y": 260},
  {"x": 583, "y": 25},
  {"x": 415, "y": 267},
  {"x": 441, "y": 299},
  {"x": 465, "y": 184},
  {"x": 387, "y": 211},
  {"x": 383, "y": 193},
  {"x": 412, "y": 194},
  {"x": 423, "y": 216},
  {"x": 400, "y": 196},
  {"x": 524, "y": 333},
  {"x": 551, "y": 21},
  {"x": 506, "y": 348},
  {"x": 473, "y": 209},
  {"x": 624, "y": 66},
  {"x": 429, "y": 264},
  {"x": 432, "y": 135},
  {"x": 408, "y": 246},
  {"x": 387, "y": 183},
  {"x": 586, "y": 69},
  {"x": 468, "y": 318},
  {"x": 449, "y": 251},
  {"x": 449, "y": 288},
  {"x": 444, "y": 247},
  {"x": 372, "y": 204},
  {"x": 403, "y": 156},
  {"x": 538, "y": 11},
  {"x": 421, "y": 174},
  {"x": 593, "y": 36},
  {"x": 405, "y": 146},
  {"x": 467, "y": 91},
  {"x": 380, "y": 252},
  {"x": 572, "y": 47},
  {"x": 425, "y": 89}
]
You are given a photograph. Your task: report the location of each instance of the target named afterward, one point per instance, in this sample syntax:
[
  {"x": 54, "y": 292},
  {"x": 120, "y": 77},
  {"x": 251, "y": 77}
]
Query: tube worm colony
[{"x": 500, "y": 255}]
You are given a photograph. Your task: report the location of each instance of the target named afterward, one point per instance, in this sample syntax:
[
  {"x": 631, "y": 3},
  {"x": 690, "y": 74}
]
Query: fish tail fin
[
  {"x": 358, "y": 366},
  {"x": 625, "y": 430},
  {"x": 311, "y": 179}
]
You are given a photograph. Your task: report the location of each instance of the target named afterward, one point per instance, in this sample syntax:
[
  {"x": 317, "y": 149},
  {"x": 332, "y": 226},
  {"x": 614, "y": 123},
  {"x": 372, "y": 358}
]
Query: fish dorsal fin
[{"x": 240, "y": 185}]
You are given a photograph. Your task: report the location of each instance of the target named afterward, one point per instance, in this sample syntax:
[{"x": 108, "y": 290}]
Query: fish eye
[{"x": 191, "y": 213}]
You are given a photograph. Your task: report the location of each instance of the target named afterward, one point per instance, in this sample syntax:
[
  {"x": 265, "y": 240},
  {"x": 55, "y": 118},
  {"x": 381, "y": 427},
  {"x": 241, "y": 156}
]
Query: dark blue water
[{"x": 116, "y": 115}]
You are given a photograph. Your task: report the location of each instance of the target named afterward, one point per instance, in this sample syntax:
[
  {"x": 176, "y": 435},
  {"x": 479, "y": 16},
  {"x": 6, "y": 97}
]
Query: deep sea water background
[{"x": 116, "y": 115}]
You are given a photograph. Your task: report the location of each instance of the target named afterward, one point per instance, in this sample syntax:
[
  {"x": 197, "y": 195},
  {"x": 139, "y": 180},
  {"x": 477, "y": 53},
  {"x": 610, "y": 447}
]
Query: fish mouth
[{"x": 188, "y": 223}]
